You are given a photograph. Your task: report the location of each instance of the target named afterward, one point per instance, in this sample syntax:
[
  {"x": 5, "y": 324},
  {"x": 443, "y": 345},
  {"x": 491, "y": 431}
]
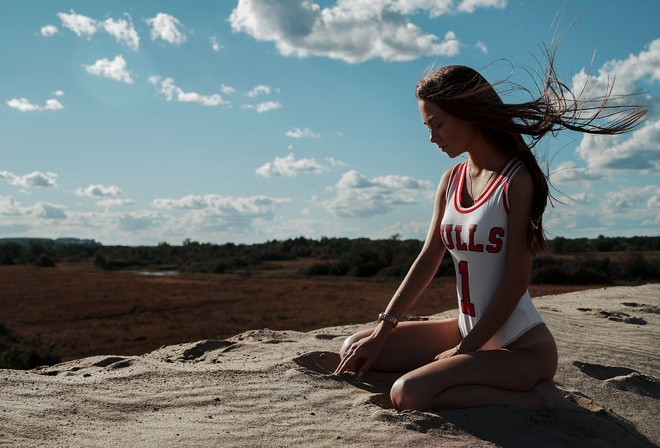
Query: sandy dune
[{"x": 274, "y": 388}]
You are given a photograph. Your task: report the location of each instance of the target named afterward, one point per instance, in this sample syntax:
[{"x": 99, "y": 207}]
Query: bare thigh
[
  {"x": 516, "y": 368},
  {"x": 412, "y": 344}
]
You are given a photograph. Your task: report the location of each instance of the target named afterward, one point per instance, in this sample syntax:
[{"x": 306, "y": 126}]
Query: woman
[{"x": 488, "y": 215}]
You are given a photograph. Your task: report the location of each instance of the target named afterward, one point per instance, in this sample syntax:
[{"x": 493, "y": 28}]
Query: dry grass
[{"x": 80, "y": 310}]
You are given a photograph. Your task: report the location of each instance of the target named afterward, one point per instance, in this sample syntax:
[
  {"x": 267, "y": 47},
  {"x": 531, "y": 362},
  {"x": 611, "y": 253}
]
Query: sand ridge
[{"x": 276, "y": 388}]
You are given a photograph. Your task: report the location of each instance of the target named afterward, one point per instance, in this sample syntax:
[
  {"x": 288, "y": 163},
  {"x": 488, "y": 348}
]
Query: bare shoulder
[
  {"x": 521, "y": 187},
  {"x": 444, "y": 182}
]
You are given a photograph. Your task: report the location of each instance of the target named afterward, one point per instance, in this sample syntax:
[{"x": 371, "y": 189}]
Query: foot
[{"x": 552, "y": 398}]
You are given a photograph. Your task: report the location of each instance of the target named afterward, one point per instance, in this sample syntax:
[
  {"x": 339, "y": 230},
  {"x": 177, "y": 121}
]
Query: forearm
[{"x": 418, "y": 278}]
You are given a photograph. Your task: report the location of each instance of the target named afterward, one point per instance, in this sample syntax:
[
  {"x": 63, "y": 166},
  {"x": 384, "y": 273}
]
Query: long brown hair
[{"x": 464, "y": 93}]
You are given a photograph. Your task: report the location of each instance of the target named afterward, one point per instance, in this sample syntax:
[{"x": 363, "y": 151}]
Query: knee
[
  {"x": 347, "y": 343},
  {"x": 405, "y": 395}
]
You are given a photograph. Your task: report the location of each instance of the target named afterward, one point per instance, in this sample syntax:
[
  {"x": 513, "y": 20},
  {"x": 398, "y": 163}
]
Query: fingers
[{"x": 350, "y": 357}]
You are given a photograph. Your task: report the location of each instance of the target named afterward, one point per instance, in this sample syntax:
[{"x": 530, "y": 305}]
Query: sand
[{"x": 266, "y": 388}]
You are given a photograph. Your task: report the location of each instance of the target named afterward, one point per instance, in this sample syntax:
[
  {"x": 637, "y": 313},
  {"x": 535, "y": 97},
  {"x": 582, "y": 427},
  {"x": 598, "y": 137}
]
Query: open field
[{"x": 80, "y": 310}]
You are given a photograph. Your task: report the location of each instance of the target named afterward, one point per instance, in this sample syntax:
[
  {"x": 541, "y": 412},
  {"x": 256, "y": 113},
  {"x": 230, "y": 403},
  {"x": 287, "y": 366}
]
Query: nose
[{"x": 434, "y": 137}]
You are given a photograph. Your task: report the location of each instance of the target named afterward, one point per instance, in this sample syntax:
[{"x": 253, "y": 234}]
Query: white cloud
[
  {"x": 213, "y": 213},
  {"x": 631, "y": 200},
  {"x": 49, "y": 211},
  {"x": 333, "y": 162},
  {"x": 437, "y": 8},
  {"x": 49, "y": 30},
  {"x": 172, "y": 92},
  {"x": 302, "y": 133},
  {"x": 289, "y": 166},
  {"x": 224, "y": 205},
  {"x": 359, "y": 197},
  {"x": 259, "y": 90},
  {"x": 568, "y": 173},
  {"x": 166, "y": 27},
  {"x": 641, "y": 151},
  {"x": 34, "y": 179},
  {"x": 215, "y": 45},
  {"x": 469, "y": 6},
  {"x": 115, "y": 69},
  {"x": 123, "y": 31},
  {"x": 79, "y": 24},
  {"x": 481, "y": 47},
  {"x": 352, "y": 30},
  {"x": 227, "y": 90},
  {"x": 99, "y": 191},
  {"x": 10, "y": 207},
  {"x": 628, "y": 72},
  {"x": 58, "y": 93},
  {"x": 266, "y": 106},
  {"x": 138, "y": 221},
  {"x": 53, "y": 104},
  {"x": 25, "y": 105}
]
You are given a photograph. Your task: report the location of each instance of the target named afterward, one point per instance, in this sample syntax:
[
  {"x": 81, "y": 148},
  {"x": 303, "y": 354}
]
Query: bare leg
[
  {"x": 518, "y": 376},
  {"x": 411, "y": 344}
]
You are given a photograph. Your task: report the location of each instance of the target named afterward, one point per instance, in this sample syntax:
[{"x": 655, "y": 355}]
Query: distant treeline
[{"x": 583, "y": 261}]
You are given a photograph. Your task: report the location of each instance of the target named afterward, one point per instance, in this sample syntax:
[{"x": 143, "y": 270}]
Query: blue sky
[{"x": 137, "y": 122}]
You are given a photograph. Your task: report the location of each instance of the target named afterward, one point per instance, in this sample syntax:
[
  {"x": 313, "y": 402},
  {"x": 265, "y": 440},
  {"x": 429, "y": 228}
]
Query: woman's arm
[
  {"x": 517, "y": 270},
  {"x": 365, "y": 352},
  {"x": 427, "y": 262}
]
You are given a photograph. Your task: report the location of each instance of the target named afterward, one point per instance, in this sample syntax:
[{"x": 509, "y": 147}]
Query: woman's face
[{"x": 451, "y": 134}]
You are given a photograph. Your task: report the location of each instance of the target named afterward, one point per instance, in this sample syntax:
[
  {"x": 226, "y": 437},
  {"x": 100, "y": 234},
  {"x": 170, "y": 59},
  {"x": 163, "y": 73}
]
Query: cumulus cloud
[
  {"x": 166, "y": 27},
  {"x": 218, "y": 213},
  {"x": 352, "y": 30},
  {"x": 356, "y": 196},
  {"x": 266, "y": 106},
  {"x": 259, "y": 90},
  {"x": 172, "y": 92},
  {"x": 43, "y": 210},
  {"x": 34, "y": 179},
  {"x": 24, "y": 105},
  {"x": 48, "y": 30},
  {"x": 629, "y": 199},
  {"x": 289, "y": 166},
  {"x": 99, "y": 191},
  {"x": 115, "y": 69},
  {"x": 79, "y": 24},
  {"x": 302, "y": 133},
  {"x": 641, "y": 151},
  {"x": 469, "y": 6},
  {"x": 227, "y": 90},
  {"x": 122, "y": 29},
  {"x": 225, "y": 205},
  {"x": 625, "y": 74},
  {"x": 138, "y": 221},
  {"x": 568, "y": 173},
  {"x": 105, "y": 196}
]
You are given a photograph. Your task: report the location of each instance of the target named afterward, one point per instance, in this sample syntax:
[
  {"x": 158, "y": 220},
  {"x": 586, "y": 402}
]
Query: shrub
[{"x": 19, "y": 354}]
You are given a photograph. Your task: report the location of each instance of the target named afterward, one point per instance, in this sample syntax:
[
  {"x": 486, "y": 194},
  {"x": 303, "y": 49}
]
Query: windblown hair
[{"x": 461, "y": 91}]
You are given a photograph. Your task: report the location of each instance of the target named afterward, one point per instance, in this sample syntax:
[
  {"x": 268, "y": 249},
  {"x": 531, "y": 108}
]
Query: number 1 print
[{"x": 466, "y": 306}]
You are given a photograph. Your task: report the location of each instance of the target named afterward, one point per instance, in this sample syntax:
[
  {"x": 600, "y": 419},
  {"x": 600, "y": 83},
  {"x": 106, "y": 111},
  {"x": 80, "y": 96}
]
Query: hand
[
  {"x": 360, "y": 356},
  {"x": 448, "y": 353}
]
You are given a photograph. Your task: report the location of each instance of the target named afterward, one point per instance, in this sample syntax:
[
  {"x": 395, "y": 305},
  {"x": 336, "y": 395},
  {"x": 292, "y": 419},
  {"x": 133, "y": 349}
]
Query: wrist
[{"x": 384, "y": 317}]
